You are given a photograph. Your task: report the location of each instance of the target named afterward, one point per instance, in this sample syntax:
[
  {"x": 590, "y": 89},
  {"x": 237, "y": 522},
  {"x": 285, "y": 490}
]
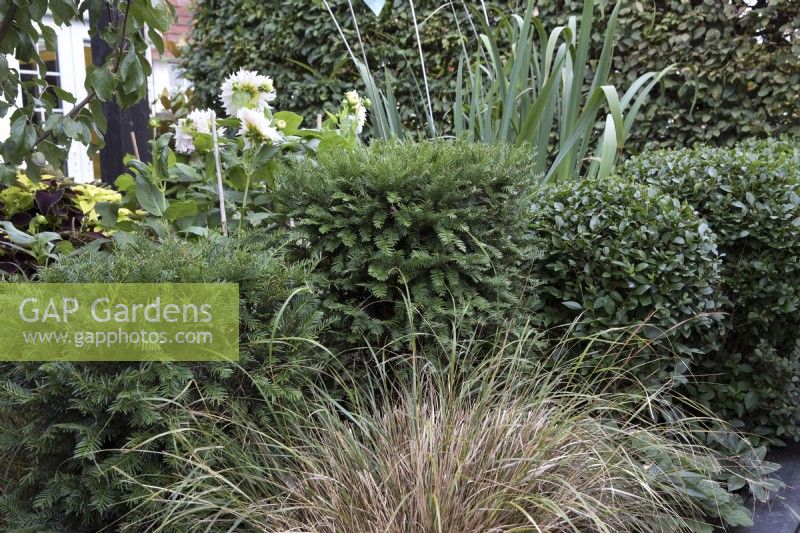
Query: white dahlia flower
[
  {"x": 184, "y": 142},
  {"x": 246, "y": 89},
  {"x": 361, "y": 117},
  {"x": 202, "y": 119},
  {"x": 257, "y": 129},
  {"x": 198, "y": 121}
]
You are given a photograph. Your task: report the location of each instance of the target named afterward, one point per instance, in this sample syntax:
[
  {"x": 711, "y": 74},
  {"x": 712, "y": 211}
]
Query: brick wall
[{"x": 179, "y": 31}]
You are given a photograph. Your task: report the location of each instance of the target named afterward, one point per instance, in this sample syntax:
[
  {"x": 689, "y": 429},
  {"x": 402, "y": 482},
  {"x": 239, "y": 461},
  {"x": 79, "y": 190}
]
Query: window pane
[
  {"x": 38, "y": 118},
  {"x": 26, "y": 99},
  {"x": 29, "y": 67},
  {"x": 30, "y": 73},
  {"x": 50, "y": 59},
  {"x": 53, "y": 81},
  {"x": 87, "y": 53},
  {"x": 28, "y": 76}
]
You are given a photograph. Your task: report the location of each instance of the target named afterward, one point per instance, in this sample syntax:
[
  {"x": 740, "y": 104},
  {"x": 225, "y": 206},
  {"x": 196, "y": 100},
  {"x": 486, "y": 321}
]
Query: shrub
[
  {"x": 488, "y": 442},
  {"x": 439, "y": 223},
  {"x": 40, "y": 220},
  {"x": 64, "y": 424},
  {"x": 617, "y": 254},
  {"x": 750, "y": 197}
]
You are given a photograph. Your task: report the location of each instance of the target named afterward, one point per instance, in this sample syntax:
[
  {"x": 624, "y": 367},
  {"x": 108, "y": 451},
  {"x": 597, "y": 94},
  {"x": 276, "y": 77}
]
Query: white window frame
[
  {"x": 72, "y": 73},
  {"x": 37, "y": 73}
]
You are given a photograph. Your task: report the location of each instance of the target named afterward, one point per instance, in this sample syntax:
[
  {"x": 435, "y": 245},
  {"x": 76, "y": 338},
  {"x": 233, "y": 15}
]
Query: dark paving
[{"x": 780, "y": 516}]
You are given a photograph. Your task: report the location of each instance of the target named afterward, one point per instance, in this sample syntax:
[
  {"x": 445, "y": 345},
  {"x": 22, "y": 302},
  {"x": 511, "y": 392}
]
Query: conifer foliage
[
  {"x": 440, "y": 224},
  {"x": 63, "y": 424}
]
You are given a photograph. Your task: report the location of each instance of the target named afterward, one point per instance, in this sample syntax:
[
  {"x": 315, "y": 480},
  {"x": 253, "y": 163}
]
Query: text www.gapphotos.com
[{"x": 79, "y": 339}]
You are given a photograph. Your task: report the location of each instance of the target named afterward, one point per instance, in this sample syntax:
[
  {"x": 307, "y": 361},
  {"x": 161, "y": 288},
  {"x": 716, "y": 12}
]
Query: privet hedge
[
  {"x": 60, "y": 422},
  {"x": 750, "y": 196},
  {"x": 618, "y": 254},
  {"x": 737, "y": 69},
  {"x": 440, "y": 223}
]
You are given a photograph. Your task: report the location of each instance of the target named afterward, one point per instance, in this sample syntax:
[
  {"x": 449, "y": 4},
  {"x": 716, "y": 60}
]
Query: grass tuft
[{"x": 488, "y": 440}]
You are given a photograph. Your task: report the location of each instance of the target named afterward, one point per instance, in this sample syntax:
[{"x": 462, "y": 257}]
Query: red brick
[{"x": 180, "y": 28}]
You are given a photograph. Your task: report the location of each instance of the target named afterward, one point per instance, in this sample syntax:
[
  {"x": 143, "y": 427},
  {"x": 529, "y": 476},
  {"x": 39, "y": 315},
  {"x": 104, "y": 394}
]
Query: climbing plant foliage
[{"x": 737, "y": 69}]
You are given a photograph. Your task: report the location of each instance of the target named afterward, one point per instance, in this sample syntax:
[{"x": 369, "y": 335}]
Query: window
[
  {"x": 35, "y": 94},
  {"x": 64, "y": 68}
]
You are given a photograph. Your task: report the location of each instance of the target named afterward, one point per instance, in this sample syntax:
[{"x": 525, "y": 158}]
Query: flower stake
[{"x": 223, "y": 216}]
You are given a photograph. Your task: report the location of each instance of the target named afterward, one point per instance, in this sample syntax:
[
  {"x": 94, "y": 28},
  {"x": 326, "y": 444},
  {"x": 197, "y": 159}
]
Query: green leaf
[
  {"x": 50, "y": 38},
  {"x": 131, "y": 73},
  {"x": 107, "y": 213},
  {"x": 157, "y": 14},
  {"x": 24, "y": 134},
  {"x": 293, "y": 120},
  {"x": 103, "y": 83},
  {"x": 96, "y": 108},
  {"x": 62, "y": 94},
  {"x": 738, "y": 516},
  {"x": 8, "y": 174},
  {"x": 72, "y": 128},
  {"x": 203, "y": 142},
  {"x": 63, "y": 10},
  {"x": 150, "y": 197},
  {"x": 125, "y": 183},
  {"x": 608, "y": 148},
  {"x": 37, "y": 9},
  {"x": 32, "y": 167},
  {"x": 17, "y": 236},
  {"x": 237, "y": 177},
  {"x": 331, "y": 141},
  {"x": 176, "y": 210},
  {"x": 156, "y": 39},
  {"x": 196, "y": 230}
]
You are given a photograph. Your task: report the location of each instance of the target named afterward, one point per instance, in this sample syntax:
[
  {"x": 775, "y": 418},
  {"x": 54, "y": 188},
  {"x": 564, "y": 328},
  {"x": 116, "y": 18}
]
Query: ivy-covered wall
[
  {"x": 738, "y": 68},
  {"x": 284, "y": 38},
  {"x": 738, "y": 72}
]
